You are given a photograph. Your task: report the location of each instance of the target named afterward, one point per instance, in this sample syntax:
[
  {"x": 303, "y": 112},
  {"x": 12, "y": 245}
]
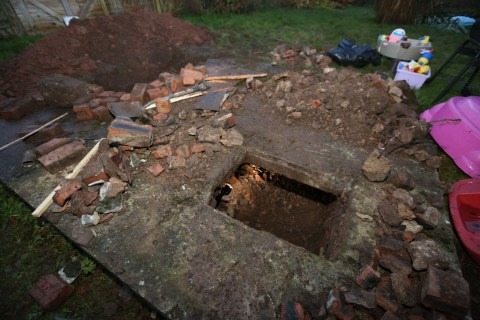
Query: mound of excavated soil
[{"x": 113, "y": 51}]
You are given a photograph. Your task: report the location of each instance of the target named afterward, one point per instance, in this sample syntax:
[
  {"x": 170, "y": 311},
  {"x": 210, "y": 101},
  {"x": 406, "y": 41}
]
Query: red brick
[
  {"x": 51, "y": 145},
  {"x": 446, "y": 291},
  {"x": 156, "y": 169},
  {"x": 62, "y": 156},
  {"x": 106, "y": 94},
  {"x": 176, "y": 84},
  {"x": 162, "y": 152},
  {"x": 193, "y": 74},
  {"x": 95, "y": 103},
  {"x": 44, "y": 135},
  {"x": 102, "y": 114},
  {"x": 100, "y": 176},
  {"x": 156, "y": 84},
  {"x": 50, "y": 292},
  {"x": 368, "y": 278},
  {"x": 83, "y": 112},
  {"x": 139, "y": 92},
  {"x": 160, "y": 117},
  {"x": 129, "y": 133},
  {"x": 337, "y": 307},
  {"x": 155, "y": 93},
  {"x": 385, "y": 297},
  {"x": 125, "y": 97},
  {"x": 163, "y": 106},
  {"x": 14, "y": 109},
  {"x": 66, "y": 190},
  {"x": 188, "y": 80}
]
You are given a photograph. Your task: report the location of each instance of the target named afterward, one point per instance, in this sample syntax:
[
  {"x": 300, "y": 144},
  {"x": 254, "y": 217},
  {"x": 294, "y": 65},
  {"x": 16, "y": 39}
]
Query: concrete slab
[{"x": 191, "y": 261}]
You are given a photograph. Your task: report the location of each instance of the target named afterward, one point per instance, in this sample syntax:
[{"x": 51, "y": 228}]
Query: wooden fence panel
[{"x": 10, "y": 24}]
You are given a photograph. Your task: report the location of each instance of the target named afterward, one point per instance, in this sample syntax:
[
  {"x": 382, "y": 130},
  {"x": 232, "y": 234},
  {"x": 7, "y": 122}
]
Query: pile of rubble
[
  {"x": 360, "y": 109},
  {"x": 139, "y": 138}
]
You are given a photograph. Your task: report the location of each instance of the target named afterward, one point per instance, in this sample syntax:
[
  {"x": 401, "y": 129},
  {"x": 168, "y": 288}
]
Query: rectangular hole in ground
[{"x": 268, "y": 201}]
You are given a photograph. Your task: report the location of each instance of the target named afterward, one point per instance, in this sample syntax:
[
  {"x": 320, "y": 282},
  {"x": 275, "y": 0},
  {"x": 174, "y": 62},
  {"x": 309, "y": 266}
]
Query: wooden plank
[
  {"x": 85, "y": 9},
  {"x": 25, "y": 13},
  {"x": 67, "y": 7},
  {"x": 46, "y": 9}
]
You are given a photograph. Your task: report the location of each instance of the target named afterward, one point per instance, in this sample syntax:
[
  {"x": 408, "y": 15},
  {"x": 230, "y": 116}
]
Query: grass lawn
[
  {"x": 323, "y": 28},
  {"x": 31, "y": 248}
]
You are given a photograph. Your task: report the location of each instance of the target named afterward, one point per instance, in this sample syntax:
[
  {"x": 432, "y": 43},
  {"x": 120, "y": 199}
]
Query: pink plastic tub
[{"x": 456, "y": 128}]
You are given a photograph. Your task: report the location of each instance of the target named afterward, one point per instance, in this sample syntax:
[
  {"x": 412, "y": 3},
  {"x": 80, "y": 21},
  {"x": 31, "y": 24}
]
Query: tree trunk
[{"x": 401, "y": 11}]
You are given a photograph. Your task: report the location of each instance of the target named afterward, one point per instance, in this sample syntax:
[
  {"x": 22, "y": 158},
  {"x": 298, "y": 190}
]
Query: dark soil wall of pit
[
  {"x": 112, "y": 51},
  {"x": 290, "y": 210}
]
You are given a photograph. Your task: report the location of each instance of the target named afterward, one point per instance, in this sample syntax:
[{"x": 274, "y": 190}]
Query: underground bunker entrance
[{"x": 286, "y": 208}]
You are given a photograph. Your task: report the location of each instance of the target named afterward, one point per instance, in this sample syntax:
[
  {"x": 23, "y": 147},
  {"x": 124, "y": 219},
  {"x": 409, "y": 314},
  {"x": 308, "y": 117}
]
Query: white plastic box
[{"x": 414, "y": 80}]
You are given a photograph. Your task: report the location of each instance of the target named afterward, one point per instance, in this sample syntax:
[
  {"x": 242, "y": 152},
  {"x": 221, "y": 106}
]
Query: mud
[
  {"x": 112, "y": 51},
  {"x": 286, "y": 208}
]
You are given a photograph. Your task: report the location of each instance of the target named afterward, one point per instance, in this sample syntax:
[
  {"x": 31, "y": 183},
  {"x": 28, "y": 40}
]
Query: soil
[
  {"x": 286, "y": 208},
  {"x": 112, "y": 51}
]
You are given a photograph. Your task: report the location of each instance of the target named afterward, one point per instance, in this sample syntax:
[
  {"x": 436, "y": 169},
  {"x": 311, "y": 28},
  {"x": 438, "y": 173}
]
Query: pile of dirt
[{"x": 113, "y": 51}]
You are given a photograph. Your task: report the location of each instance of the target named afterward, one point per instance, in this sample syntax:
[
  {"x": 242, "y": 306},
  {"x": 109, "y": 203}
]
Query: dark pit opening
[{"x": 271, "y": 202}]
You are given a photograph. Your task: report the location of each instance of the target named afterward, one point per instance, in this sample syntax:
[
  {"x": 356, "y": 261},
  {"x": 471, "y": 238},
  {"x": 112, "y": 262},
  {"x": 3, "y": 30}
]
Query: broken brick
[
  {"x": 163, "y": 106},
  {"x": 50, "y": 292},
  {"x": 14, "y": 109},
  {"x": 129, "y": 133},
  {"x": 160, "y": 117},
  {"x": 446, "y": 291},
  {"x": 360, "y": 297},
  {"x": 51, "y": 145},
  {"x": 84, "y": 110},
  {"x": 102, "y": 114},
  {"x": 175, "y": 85},
  {"x": 368, "y": 278},
  {"x": 65, "y": 192},
  {"x": 191, "y": 74},
  {"x": 62, "y": 156},
  {"x": 100, "y": 176},
  {"x": 46, "y": 134},
  {"x": 115, "y": 186},
  {"x": 106, "y": 94},
  {"x": 336, "y": 306},
  {"x": 125, "y": 97},
  {"x": 155, "y": 93},
  {"x": 406, "y": 289},
  {"x": 82, "y": 202},
  {"x": 156, "y": 83},
  {"x": 162, "y": 152},
  {"x": 385, "y": 297},
  {"x": 138, "y": 92},
  {"x": 156, "y": 169}
]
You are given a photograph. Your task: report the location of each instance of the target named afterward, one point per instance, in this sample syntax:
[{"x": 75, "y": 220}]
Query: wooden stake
[
  {"x": 236, "y": 77},
  {"x": 33, "y": 132},
  {"x": 48, "y": 201}
]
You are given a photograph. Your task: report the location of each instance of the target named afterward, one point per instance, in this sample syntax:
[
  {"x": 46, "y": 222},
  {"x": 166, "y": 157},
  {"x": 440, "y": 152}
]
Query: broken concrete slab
[
  {"x": 133, "y": 109},
  {"x": 129, "y": 133}
]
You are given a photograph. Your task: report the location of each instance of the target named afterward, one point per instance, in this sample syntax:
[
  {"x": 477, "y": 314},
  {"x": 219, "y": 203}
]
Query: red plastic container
[{"x": 464, "y": 199}]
